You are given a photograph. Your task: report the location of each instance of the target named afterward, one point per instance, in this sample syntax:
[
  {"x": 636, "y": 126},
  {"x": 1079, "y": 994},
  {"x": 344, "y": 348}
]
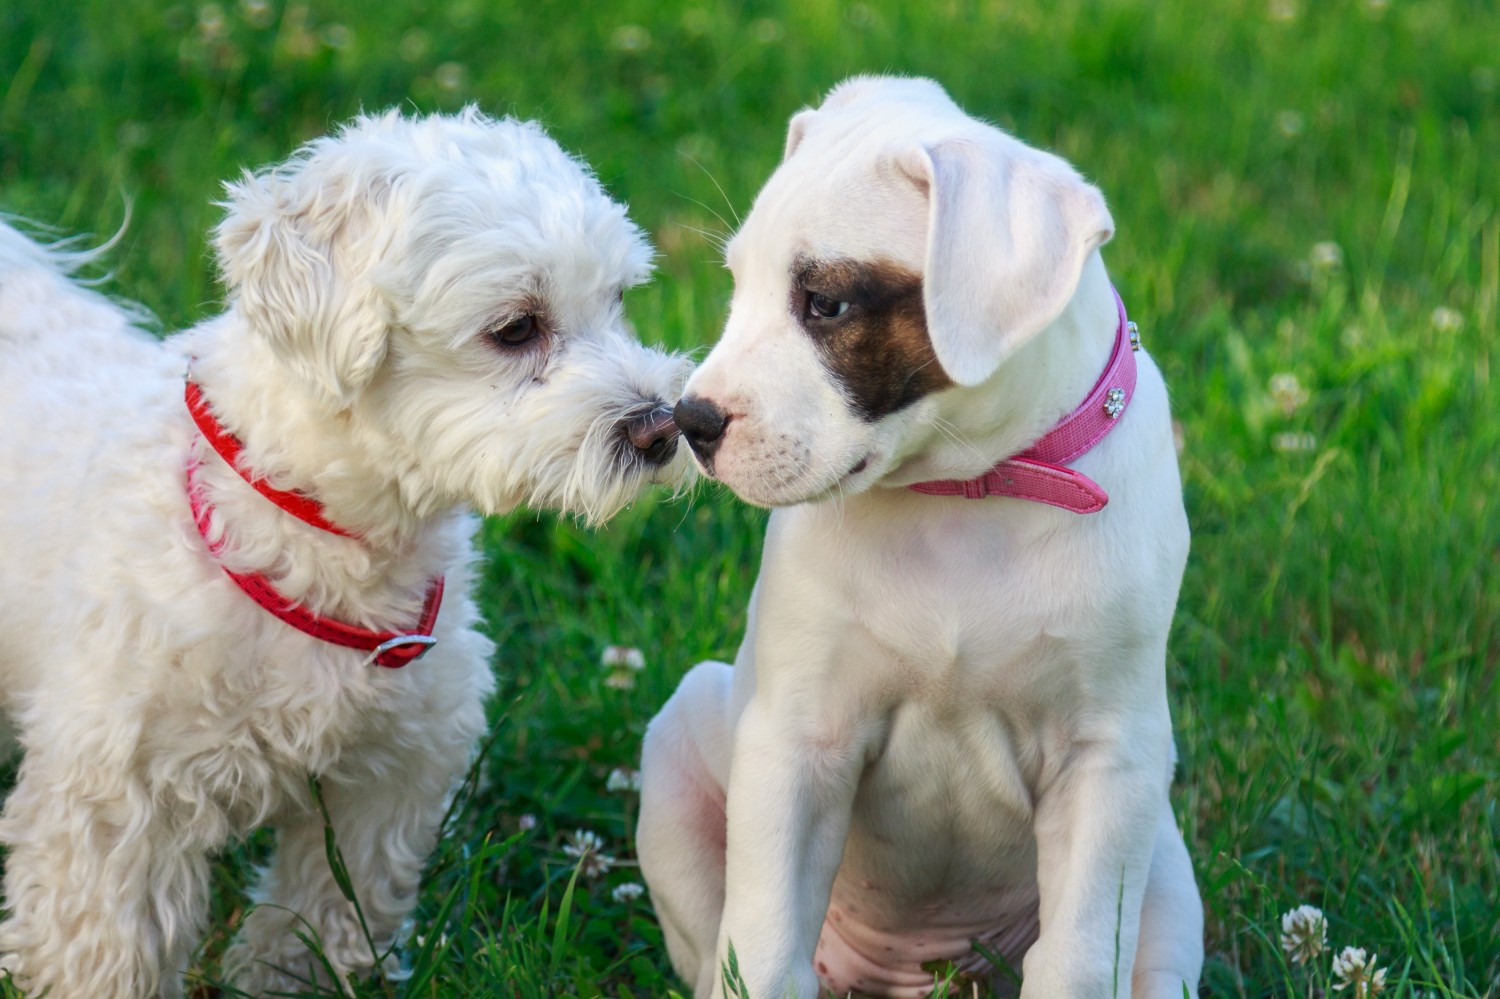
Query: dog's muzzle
[
  {"x": 653, "y": 434},
  {"x": 702, "y": 423}
]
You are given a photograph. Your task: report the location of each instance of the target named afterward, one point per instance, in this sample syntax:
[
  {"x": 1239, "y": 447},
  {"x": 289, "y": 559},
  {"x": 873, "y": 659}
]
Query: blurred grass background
[{"x": 1306, "y": 196}]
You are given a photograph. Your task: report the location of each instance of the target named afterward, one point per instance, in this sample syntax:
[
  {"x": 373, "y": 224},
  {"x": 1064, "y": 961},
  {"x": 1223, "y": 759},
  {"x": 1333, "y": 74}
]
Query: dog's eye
[
  {"x": 823, "y": 307},
  {"x": 518, "y": 331}
]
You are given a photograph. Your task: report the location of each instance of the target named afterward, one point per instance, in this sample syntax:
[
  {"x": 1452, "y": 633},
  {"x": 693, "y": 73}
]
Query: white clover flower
[
  {"x": 630, "y": 38},
  {"x": 1287, "y": 392},
  {"x": 587, "y": 850},
  {"x": 210, "y": 21},
  {"x": 1290, "y": 123},
  {"x": 1326, "y": 256},
  {"x": 527, "y": 822},
  {"x": 623, "y": 779},
  {"x": 1304, "y": 933},
  {"x": 1354, "y": 970},
  {"x": 623, "y": 655},
  {"x": 257, "y": 13},
  {"x": 628, "y": 892},
  {"x": 294, "y": 36},
  {"x": 766, "y": 30},
  {"x": 1446, "y": 320},
  {"x": 134, "y": 134},
  {"x": 450, "y": 76},
  {"x": 1293, "y": 442},
  {"x": 414, "y": 45}
]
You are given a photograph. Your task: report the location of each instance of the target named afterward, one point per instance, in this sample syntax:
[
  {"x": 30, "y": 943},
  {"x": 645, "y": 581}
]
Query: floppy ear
[
  {"x": 1008, "y": 231},
  {"x": 286, "y": 252}
]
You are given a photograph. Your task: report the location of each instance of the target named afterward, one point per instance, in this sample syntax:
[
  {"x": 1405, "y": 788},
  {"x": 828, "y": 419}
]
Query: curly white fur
[{"x": 161, "y": 712}]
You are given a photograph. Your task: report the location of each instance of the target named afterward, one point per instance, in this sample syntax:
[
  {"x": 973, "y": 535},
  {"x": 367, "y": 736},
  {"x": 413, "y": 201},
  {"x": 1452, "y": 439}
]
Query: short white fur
[{"x": 947, "y": 721}]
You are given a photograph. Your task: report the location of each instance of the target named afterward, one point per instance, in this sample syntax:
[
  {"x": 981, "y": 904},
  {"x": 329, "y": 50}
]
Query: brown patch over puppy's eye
[{"x": 869, "y": 326}]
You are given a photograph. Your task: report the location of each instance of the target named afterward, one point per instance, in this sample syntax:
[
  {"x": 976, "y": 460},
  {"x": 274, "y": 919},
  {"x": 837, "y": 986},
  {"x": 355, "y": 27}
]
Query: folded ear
[
  {"x": 286, "y": 252},
  {"x": 795, "y": 130},
  {"x": 1008, "y": 231}
]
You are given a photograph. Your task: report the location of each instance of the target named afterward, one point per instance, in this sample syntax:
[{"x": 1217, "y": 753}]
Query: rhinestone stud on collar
[{"x": 1114, "y": 403}]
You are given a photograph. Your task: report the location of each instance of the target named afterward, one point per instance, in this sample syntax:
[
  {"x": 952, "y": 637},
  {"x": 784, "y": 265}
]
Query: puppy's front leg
[
  {"x": 1095, "y": 831},
  {"x": 791, "y": 789}
]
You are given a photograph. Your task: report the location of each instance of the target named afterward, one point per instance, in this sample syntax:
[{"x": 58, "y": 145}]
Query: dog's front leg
[
  {"x": 1095, "y": 831},
  {"x": 384, "y": 827},
  {"x": 791, "y": 789},
  {"x": 105, "y": 891}
]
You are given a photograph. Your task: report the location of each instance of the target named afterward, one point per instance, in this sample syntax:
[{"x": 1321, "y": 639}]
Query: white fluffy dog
[
  {"x": 947, "y": 725},
  {"x": 424, "y": 316}
]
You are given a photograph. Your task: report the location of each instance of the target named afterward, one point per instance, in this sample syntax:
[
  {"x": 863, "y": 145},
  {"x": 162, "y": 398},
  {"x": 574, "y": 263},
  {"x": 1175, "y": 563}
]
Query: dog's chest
[{"x": 251, "y": 758}]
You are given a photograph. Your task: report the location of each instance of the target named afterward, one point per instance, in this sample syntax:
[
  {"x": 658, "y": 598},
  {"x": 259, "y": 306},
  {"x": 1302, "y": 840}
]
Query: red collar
[
  {"x": 392, "y": 649},
  {"x": 1038, "y": 473},
  {"x": 304, "y": 508}
]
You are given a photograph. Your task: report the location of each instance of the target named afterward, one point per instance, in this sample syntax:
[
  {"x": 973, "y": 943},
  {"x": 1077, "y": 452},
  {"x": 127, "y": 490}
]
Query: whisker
[
  {"x": 727, "y": 203},
  {"x": 839, "y": 498},
  {"x": 953, "y": 434},
  {"x": 718, "y": 239},
  {"x": 701, "y": 205}
]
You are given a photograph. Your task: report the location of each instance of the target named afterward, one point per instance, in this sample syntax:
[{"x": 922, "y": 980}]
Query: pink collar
[
  {"x": 392, "y": 649},
  {"x": 1038, "y": 473}
]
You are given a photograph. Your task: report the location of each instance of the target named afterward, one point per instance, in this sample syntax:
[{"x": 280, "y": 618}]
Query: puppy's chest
[
  {"x": 960, "y": 636},
  {"x": 993, "y": 627}
]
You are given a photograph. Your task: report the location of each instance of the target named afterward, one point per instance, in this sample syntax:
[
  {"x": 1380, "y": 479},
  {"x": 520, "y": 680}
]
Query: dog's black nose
[
  {"x": 702, "y": 423},
  {"x": 653, "y": 435}
]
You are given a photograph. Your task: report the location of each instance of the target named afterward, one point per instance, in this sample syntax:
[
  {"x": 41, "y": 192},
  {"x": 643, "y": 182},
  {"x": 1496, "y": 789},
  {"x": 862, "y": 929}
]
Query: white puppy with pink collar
[
  {"x": 946, "y": 735},
  {"x": 212, "y": 590}
]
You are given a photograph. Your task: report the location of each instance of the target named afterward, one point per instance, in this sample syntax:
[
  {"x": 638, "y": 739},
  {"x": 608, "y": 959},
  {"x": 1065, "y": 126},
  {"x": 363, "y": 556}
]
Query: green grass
[{"x": 1333, "y": 666}]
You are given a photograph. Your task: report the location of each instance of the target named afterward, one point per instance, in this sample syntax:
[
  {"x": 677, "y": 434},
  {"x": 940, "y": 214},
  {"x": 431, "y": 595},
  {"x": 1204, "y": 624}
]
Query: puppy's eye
[
  {"x": 823, "y": 307},
  {"x": 518, "y": 332}
]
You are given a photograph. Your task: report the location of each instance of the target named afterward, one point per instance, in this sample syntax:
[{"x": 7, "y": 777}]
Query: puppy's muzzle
[
  {"x": 702, "y": 423},
  {"x": 653, "y": 434}
]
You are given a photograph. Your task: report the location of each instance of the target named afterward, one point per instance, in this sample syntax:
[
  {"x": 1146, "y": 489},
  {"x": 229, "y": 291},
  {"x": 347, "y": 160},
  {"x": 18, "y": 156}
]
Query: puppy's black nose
[
  {"x": 653, "y": 435},
  {"x": 702, "y": 423}
]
